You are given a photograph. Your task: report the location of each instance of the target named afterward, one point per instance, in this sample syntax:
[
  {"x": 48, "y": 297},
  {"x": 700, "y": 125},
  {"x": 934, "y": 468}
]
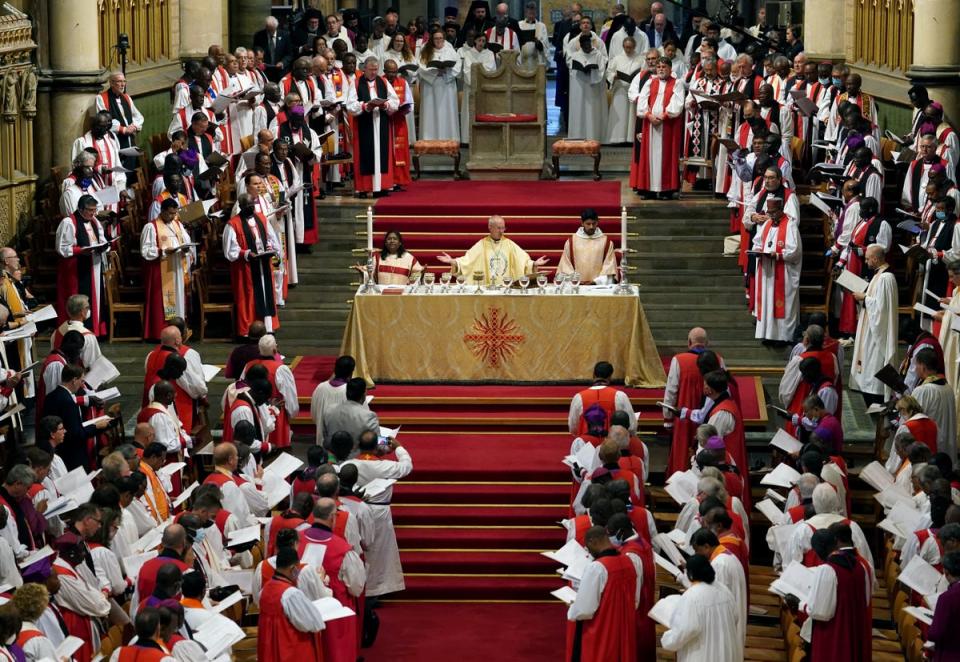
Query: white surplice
[
  {"x": 770, "y": 327},
  {"x": 438, "y": 97},
  {"x": 705, "y": 626},
  {"x": 939, "y": 403},
  {"x": 588, "y": 96},
  {"x": 384, "y": 572},
  {"x": 876, "y": 340},
  {"x": 622, "y": 118}
]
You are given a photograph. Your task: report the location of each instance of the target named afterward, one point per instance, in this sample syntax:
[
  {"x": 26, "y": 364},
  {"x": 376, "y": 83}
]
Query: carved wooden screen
[
  {"x": 883, "y": 33},
  {"x": 145, "y": 22}
]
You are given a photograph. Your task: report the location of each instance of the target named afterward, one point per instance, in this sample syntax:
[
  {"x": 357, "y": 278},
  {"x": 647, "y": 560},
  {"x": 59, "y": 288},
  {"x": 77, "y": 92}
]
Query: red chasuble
[
  {"x": 278, "y": 639},
  {"x": 672, "y": 135},
  {"x": 611, "y": 634},
  {"x": 848, "y": 634},
  {"x": 253, "y": 296},
  {"x": 689, "y": 395},
  {"x": 280, "y": 437}
]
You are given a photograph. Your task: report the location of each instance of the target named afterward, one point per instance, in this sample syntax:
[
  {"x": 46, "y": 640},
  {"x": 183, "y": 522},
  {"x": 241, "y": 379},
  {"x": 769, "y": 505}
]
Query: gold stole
[
  {"x": 159, "y": 506},
  {"x": 165, "y": 236},
  {"x": 11, "y": 297}
]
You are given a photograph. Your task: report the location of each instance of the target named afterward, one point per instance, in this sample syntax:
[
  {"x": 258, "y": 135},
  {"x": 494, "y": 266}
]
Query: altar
[{"x": 501, "y": 336}]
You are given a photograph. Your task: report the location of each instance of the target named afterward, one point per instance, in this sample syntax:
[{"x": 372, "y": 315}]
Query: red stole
[
  {"x": 401, "y": 137},
  {"x": 280, "y": 437},
  {"x": 611, "y": 633},
  {"x": 690, "y": 395},
  {"x": 779, "y": 272},
  {"x": 278, "y": 639}
]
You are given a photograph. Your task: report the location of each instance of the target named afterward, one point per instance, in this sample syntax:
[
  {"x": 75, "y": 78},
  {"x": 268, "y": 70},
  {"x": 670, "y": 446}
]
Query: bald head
[
  {"x": 697, "y": 337},
  {"x": 170, "y": 336},
  {"x": 325, "y": 511},
  {"x": 877, "y": 252},
  {"x": 264, "y": 137},
  {"x": 174, "y": 537},
  {"x": 225, "y": 455}
]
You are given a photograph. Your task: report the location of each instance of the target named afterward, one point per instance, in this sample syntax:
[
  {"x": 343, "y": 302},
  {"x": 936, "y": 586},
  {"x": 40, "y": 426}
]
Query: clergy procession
[{"x": 270, "y": 390}]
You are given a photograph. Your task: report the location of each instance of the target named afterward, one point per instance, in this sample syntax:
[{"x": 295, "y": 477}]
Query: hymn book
[
  {"x": 101, "y": 372},
  {"x": 494, "y": 47},
  {"x": 786, "y": 442},
  {"x": 783, "y": 475},
  {"x": 796, "y": 580},
  {"x": 585, "y": 68},
  {"x": 35, "y": 556},
  {"x": 331, "y": 609},
  {"x": 627, "y": 78},
  {"x": 682, "y": 486},
  {"x": 921, "y": 577},
  {"x": 664, "y": 609},
  {"x": 770, "y": 510},
  {"x": 441, "y": 64},
  {"x": 217, "y": 634},
  {"x": 806, "y": 106},
  {"x": 566, "y": 595},
  {"x": 922, "y": 614},
  {"x": 284, "y": 465},
  {"x": 187, "y": 491},
  {"x": 902, "y": 520},
  {"x": 852, "y": 282},
  {"x": 890, "y": 376}
]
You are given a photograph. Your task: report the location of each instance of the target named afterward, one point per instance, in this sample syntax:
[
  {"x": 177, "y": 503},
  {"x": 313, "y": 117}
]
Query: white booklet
[
  {"x": 283, "y": 465},
  {"x": 663, "y": 610},
  {"x": 568, "y": 553},
  {"x": 796, "y": 579},
  {"x": 36, "y": 555},
  {"x": 313, "y": 555},
  {"x": 377, "y": 487},
  {"x": 331, "y": 609},
  {"x": 922, "y": 577},
  {"x": 922, "y": 614},
  {"x": 783, "y": 475},
  {"x": 68, "y": 647},
  {"x": 244, "y": 535},
  {"x": 671, "y": 569},
  {"x": 682, "y": 486},
  {"x": 786, "y": 441},
  {"x": 770, "y": 510},
  {"x": 875, "y": 475},
  {"x": 43, "y": 314},
  {"x": 566, "y": 595},
  {"x": 210, "y": 371},
  {"x": 227, "y": 602},
  {"x": 851, "y": 281},
  {"x": 217, "y": 634},
  {"x": 101, "y": 372},
  {"x": 133, "y": 563}
]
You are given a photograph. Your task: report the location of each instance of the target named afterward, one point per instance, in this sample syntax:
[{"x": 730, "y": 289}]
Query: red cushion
[{"x": 507, "y": 117}]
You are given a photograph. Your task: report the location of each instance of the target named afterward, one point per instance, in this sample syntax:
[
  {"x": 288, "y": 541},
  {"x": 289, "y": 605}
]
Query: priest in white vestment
[
  {"x": 826, "y": 505},
  {"x": 438, "y": 90},
  {"x": 876, "y": 340},
  {"x": 779, "y": 263},
  {"x": 476, "y": 54},
  {"x": 588, "y": 91},
  {"x": 705, "y": 624},
  {"x": 622, "y": 118},
  {"x": 589, "y": 252},
  {"x": 537, "y": 50},
  {"x": 728, "y": 569},
  {"x": 495, "y": 256}
]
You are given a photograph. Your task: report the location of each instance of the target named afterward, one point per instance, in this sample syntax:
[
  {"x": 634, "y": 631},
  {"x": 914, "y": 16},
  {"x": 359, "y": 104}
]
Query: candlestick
[
  {"x": 370, "y": 228},
  {"x": 623, "y": 231}
]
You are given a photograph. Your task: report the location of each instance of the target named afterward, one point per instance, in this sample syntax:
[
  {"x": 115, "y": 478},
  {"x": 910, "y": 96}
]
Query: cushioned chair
[{"x": 576, "y": 148}]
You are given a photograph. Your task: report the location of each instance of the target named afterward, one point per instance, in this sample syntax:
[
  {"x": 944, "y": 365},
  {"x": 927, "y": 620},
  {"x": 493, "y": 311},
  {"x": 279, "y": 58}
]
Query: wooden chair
[
  {"x": 116, "y": 308},
  {"x": 208, "y": 308}
]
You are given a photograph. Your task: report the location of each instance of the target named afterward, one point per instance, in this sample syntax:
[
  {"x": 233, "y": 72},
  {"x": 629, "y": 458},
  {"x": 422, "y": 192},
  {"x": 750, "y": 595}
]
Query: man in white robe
[
  {"x": 102, "y": 140},
  {"x": 331, "y": 393},
  {"x": 704, "y": 626},
  {"x": 826, "y": 506},
  {"x": 728, "y": 569},
  {"x": 589, "y": 252},
  {"x": 876, "y": 341},
  {"x": 622, "y": 70},
  {"x": 495, "y": 256},
  {"x": 535, "y": 51},
  {"x": 779, "y": 264},
  {"x": 655, "y": 168},
  {"x": 937, "y": 399},
  {"x": 588, "y": 93},
  {"x": 161, "y": 240},
  {"x": 384, "y": 572},
  {"x": 949, "y": 338},
  {"x": 438, "y": 92}
]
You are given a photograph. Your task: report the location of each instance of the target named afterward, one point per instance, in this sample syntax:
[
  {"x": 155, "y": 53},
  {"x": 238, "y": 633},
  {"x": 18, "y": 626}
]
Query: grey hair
[
  {"x": 780, "y": 60},
  {"x": 271, "y": 22},
  {"x": 76, "y": 303},
  {"x": 20, "y": 473},
  {"x": 712, "y": 487},
  {"x": 83, "y": 157},
  {"x": 806, "y": 484},
  {"x": 373, "y": 59}
]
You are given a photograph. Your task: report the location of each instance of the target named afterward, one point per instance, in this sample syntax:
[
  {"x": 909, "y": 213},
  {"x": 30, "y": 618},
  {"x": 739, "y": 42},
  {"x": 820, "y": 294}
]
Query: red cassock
[
  {"x": 401, "y": 136},
  {"x": 924, "y": 430},
  {"x": 252, "y": 282},
  {"x": 689, "y": 395},
  {"x": 75, "y": 276},
  {"x": 848, "y": 635},
  {"x": 182, "y": 401},
  {"x": 340, "y": 642},
  {"x": 646, "y": 628},
  {"x": 278, "y": 639},
  {"x": 280, "y": 437},
  {"x": 278, "y": 524},
  {"x": 147, "y": 579},
  {"x": 611, "y": 634},
  {"x": 78, "y": 625},
  {"x": 669, "y": 141}
]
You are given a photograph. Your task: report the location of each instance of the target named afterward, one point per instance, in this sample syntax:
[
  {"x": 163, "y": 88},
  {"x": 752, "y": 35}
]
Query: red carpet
[
  {"x": 502, "y": 197},
  {"x": 433, "y": 632}
]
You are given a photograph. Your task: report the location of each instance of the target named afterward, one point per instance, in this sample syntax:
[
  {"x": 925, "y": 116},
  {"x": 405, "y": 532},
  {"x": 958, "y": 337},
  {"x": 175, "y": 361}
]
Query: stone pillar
[
  {"x": 73, "y": 78},
  {"x": 246, "y": 17},
  {"x": 823, "y": 27},
  {"x": 201, "y": 24},
  {"x": 936, "y": 51}
]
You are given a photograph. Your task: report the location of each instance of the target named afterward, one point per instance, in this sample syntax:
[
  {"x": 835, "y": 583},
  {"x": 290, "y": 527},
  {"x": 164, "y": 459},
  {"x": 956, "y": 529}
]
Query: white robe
[
  {"x": 705, "y": 626},
  {"x": 799, "y": 542},
  {"x": 622, "y": 118},
  {"x": 588, "y": 96},
  {"x": 488, "y": 61},
  {"x": 530, "y": 56},
  {"x": 660, "y": 105},
  {"x": 876, "y": 340},
  {"x": 616, "y": 42},
  {"x": 67, "y": 241},
  {"x": 950, "y": 341},
  {"x": 729, "y": 573},
  {"x": 355, "y": 108},
  {"x": 438, "y": 97},
  {"x": 769, "y": 327},
  {"x": 384, "y": 572},
  {"x": 938, "y": 402},
  {"x": 325, "y": 397}
]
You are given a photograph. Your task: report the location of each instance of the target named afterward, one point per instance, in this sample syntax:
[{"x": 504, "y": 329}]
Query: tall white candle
[
  {"x": 623, "y": 231},
  {"x": 370, "y": 227}
]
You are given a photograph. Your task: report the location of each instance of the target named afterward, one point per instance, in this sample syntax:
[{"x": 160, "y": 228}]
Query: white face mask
[{"x": 87, "y": 316}]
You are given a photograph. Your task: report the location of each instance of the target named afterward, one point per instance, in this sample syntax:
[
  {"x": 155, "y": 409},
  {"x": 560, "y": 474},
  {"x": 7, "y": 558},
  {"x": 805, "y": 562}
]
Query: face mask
[
  {"x": 836, "y": 82},
  {"x": 941, "y": 215},
  {"x": 86, "y": 183},
  {"x": 87, "y": 316},
  {"x": 616, "y": 540},
  {"x": 824, "y": 81},
  {"x": 200, "y": 535}
]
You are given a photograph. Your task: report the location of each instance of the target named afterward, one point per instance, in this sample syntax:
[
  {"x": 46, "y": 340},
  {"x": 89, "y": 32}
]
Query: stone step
[{"x": 684, "y": 262}]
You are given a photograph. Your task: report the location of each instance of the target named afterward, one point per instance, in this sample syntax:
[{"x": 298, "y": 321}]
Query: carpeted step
[
  {"x": 488, "y": 587},
  {"x": 505, "y": 514},
  {"x": 526, "y": 562},
  {"x": 476, "y": 492},
  {"x": 530, "y": 240},
  {"x": 480, "y": 537}
]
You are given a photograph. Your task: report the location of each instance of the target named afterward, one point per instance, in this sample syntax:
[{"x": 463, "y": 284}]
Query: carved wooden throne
[{"x": 508, "y": 131}]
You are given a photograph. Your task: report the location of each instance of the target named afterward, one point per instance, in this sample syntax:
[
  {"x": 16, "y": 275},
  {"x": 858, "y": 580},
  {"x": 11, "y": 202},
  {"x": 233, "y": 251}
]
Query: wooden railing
[
  {"x": 883, "y": 33},
  {"x": 145, "y": 22}
]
